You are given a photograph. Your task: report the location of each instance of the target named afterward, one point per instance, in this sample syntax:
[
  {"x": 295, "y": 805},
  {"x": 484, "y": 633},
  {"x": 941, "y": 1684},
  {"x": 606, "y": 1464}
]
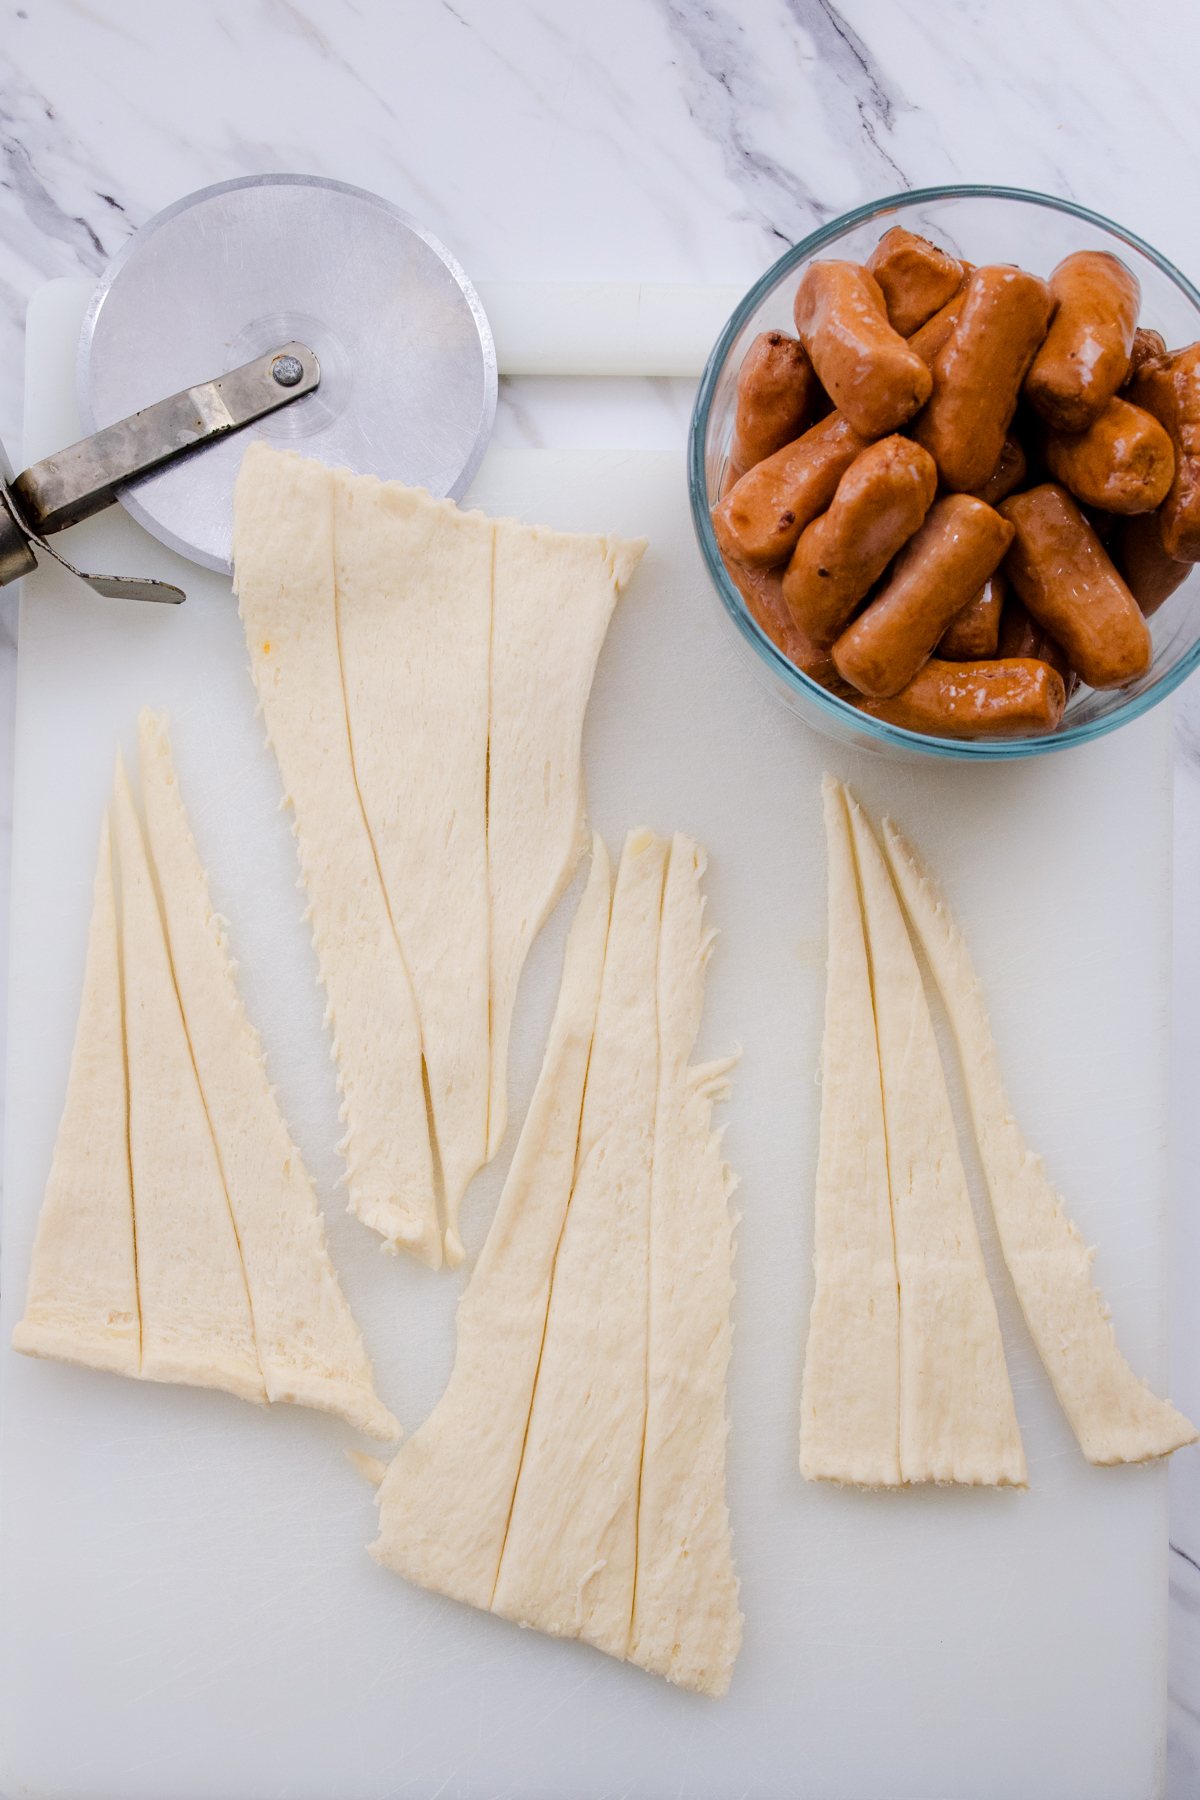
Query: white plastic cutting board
[{"x": 187, "y": 1606}]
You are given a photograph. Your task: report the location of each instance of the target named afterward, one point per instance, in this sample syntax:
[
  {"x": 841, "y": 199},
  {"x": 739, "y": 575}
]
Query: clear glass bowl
[{"x": 980, "y": 224}]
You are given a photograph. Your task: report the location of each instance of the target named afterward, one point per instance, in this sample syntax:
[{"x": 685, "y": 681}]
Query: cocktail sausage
[
  {"x": 1123, "y": 463},
  {"x": 915, "y": 276},
  {"x": 1059, "y": 568},
  {"x": 1169, "y": 387},
  {"x": 776, "y": 395},
  {"x": 978, "y": 371},
  {"x": 861, "y": 360},
  {"x": 763, "y": 514},
  {"x": 1085, "y": 357},
  {"x": 1012, "y": 698},
  {"x": 880, "y": 501},
  {"x": 939, "y": 570}
]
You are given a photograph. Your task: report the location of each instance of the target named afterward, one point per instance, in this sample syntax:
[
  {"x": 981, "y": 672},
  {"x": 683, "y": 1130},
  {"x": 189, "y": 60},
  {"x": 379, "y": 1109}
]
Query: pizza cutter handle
[
  {"x": 83, "y": 479},
  {"x": 16, "y": 559},
  {"x": 75, "y": 483}
]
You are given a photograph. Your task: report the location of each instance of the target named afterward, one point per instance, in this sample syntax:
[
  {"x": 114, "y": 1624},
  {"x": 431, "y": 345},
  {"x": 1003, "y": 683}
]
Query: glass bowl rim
[{"x": 840, "y": 711}]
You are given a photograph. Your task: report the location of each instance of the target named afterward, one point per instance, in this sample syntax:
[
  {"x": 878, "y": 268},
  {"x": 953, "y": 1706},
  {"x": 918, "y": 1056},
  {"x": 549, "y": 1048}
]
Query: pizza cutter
[{"x": 340, "y": 326}]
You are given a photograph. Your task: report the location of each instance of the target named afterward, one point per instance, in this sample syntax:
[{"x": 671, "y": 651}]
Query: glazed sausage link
[
  {"x": 762, "y": 515},
  {"x": 1059, "y": 568},
  {"x": 776, "y": 395},
  {"x": 938, "y": 571},
  {"x": 978, "y": 371},
  {"x": 1169, "y": 388},
  {"x": 880, "y": 501},
  {"x": 1123, "y": 463},
  {"x": 1085, "y": 357},
  {"x": 861, "y": 361},
  {"x": 1015, "y": 697},
  {"x": 916, "y": 278}
]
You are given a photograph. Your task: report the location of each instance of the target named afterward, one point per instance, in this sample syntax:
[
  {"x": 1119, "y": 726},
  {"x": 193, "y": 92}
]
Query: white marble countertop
[{"x": 658, "y": 140}]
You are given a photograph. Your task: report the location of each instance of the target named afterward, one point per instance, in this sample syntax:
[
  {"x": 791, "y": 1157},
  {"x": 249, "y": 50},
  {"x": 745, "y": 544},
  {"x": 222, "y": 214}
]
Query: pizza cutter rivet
[{"x": 287, "y": 370}]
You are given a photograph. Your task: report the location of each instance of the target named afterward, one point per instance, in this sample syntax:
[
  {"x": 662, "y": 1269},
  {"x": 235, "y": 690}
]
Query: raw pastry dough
[
  {"x": 850, "y": 1405},
  {"x": 552, "y": 598},
  {"x": 283, "y": 554},
  {"x": 957, "y": 1420},
  {"x": 1115, "y": 1416},
  {"x": 447, "y": 1496},
  {"x": 414, "y": 609},
  {"x": 569, "y": 1559},
  {"x": 686, "y": 1623},
  {"x": 577, "y": 1457},
  {"x": 196, "y": 1324},
  {"x": 309, "y": 1347},
  {"x": 82, "y": 1302}
]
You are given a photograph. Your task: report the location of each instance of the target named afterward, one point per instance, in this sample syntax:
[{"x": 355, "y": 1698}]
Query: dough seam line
[
  {"x": 542, "y": 1344},
  {"x": 156, "y": 889},
  {"x": 844, "y": 796},
  {"x": 344, "y": 1178},
  {"x": 119, "y": 914},
  {"x": 637, "y": 1508}
]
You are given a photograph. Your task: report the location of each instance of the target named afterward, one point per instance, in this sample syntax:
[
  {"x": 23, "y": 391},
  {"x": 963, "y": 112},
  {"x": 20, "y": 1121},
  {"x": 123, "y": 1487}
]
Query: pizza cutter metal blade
[
  {"x": 407, "y": 363},
  {"x": 341, "y": 328}
]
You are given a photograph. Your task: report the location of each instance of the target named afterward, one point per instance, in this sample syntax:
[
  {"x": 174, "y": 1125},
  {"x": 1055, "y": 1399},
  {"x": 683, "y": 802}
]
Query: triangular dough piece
[
  {"x": 283, "y": 556},
  {"x": 196, "y": 1324},
  {"x": 309, "y": 1347},
  {"x": 570, "y": 1555},
  {"x": 957, "y": 1419},
  {"x": 553, "y": 595},
  {"x": 1114, "y": 1415},
  {"x": 686, "y": 1623},
  {"x": 850, "y": 1406},
  {"x": 414, "y": 608},
  {"x": 448, "y": 1493},
  {"x": 82, "y": 1305}
]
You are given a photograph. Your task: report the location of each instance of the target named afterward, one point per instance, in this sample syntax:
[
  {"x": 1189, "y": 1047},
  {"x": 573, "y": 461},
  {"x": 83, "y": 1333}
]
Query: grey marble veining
[{"x": 666, "y": 140}]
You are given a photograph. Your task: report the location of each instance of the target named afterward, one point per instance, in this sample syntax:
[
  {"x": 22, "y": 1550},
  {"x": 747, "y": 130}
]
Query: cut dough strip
[
  {"x": 424, "y": 674},
  {"x": 414, "y": 612},
  {"x": 957, "y": 1419},
  {"x": 448, "y": 1493},
  {"x": 570, "y": 1555},
  {"x": 686, "y": 1623},
  {"x": 553, "y": 595},
  {"x": 82, "y": 1304},
  {"x": 1115, "y": 1416},
  {"x": 850, "y": 1405},
  {"x": 196, "y": 1322},
  {"x": 577, "y": 1457},
  {"x": 309, "y": 1347},
  {"x": 283, "y": 552},
  {"x": 179, "y": 1237}
]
